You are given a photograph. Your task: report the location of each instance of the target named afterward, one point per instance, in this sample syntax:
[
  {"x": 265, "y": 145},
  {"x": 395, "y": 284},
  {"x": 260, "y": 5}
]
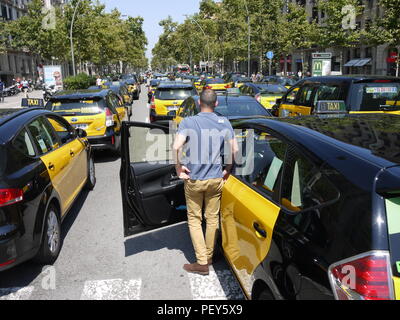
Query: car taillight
[
  {"x": 109, "y": 118},
  {"x": 228, "y": 86},
  {"x": 10, "y": 196},
  {"x": 207, "y": 87},
  {"x": 258, "y": 98},
  {"x": 153, "y": 103},
  {"x": 364, "y": 277}
]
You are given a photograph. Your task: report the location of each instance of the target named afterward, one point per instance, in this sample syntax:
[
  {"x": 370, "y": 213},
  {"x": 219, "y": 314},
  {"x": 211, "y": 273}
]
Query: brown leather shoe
[{"x": 197, "y": 269}]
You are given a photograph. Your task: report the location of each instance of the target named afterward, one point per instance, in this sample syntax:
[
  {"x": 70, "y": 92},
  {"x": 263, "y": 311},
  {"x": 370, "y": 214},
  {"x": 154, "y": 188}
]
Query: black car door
[{"x": 152, "y": 194}]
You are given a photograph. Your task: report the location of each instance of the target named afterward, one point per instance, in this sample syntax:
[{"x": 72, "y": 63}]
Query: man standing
[
  {"x": 206, "y": 136},
  {"x": 1, "y": 91}
]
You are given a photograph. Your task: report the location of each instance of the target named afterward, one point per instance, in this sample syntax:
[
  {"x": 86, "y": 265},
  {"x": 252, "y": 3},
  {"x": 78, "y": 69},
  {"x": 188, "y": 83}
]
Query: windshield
[
  {"x": 215, "y": 81},
  {"x": 174, "y": 94},
  {"x": 76, "y": 108},
  {"x": 240, "y": 108},
  {"x": 372, "y": 96},
  {"x": 272, "y": 89}
]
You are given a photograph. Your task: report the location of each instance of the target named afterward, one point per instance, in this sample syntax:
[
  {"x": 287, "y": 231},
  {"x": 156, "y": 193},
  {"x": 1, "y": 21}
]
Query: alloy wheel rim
[{"x": 53, "y": 232}]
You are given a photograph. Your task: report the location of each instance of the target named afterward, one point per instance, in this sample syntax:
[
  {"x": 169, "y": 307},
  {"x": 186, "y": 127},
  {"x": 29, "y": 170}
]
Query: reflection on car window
[
  {"x": 24, "y": 144},
  {"x": 64, "y": 133},
  {"x": 304, "y": 186},
  {"x": 263, "y": 164}
]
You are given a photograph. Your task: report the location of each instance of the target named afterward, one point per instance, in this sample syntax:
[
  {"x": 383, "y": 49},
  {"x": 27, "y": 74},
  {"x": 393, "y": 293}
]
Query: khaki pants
[{"x": 208, "y": 192}]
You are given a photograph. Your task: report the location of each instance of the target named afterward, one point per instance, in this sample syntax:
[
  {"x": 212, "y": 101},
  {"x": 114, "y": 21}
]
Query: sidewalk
[{"x": 15, "y": 101}]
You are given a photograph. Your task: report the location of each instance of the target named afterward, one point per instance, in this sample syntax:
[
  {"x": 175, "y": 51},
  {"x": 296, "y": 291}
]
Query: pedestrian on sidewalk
[
  {"x": 203, "y": 137},
  {"x": 25, "y": 87},
  {"x": 2, "y": 87}
]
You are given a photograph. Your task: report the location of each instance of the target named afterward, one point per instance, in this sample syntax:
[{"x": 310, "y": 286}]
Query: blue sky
[{"x": 153, "y": 11}]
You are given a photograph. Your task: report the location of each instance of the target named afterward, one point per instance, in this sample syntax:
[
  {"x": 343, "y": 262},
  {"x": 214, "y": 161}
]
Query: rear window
[
  {"x": 76, "y": 108},
  {"x": 241, "y": 109},
  {"x": 154, "y": 83},
  {"x": 272, "y": 89},
  {"x": 372, "y": 96},
  {"x": 174, "y": 94},
  {"x": 215, "y": 81}
]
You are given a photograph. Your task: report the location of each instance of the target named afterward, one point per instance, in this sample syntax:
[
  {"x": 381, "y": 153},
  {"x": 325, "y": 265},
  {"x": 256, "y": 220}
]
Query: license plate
[
  {"x": 173, "y": 108},
  {"x": 80, "y": 126}
]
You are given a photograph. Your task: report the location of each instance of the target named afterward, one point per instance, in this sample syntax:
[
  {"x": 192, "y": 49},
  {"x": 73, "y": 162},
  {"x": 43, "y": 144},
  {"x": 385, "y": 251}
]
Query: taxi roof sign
[
  {"x": 330, "y": 107},
  {"x": 32, "y": 103}
]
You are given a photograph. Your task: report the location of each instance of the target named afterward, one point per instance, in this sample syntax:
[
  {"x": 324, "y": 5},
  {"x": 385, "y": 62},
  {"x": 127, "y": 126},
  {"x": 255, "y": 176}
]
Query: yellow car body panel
[
  {"x": 217, "y": 86},
  {"x": 67, "y": 168},
  {"x": 94, "y": 125},
  {"x": 269, "y": 101},
  {"x": 244, "y": 247},
  {"x": 294, "y": 110},
  {"x": 396, "y": 284},
  {"x": 164, "y": 106}
]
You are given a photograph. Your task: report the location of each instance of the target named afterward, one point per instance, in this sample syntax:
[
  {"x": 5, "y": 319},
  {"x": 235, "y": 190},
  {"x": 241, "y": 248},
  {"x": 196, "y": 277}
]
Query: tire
[
  {"x": 91, "y": 179},
  {"x": 265, "y": 295},
  {"x": 52, "y": 240}
]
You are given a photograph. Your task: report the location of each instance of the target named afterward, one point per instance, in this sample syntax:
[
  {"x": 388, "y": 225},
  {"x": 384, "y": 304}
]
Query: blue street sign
[{"x": 269, "y": 55}]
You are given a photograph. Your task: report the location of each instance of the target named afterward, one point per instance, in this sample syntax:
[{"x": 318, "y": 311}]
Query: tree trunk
[{"x": 398, "y": 61}]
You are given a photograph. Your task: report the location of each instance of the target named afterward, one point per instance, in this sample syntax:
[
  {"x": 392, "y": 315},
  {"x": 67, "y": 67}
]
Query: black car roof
[
  {"x": 81, "y": 94},
  {"x": 175, "y": 85},
  {"x": 349, "y": 78},
  {"x": 368, "y": 142},
  {"x": 11, "y": 120}
]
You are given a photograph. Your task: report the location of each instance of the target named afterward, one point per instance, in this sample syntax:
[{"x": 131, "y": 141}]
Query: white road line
[
  {"x": 218, "y": 285},
  {"x": 116, "y": 289},
  {"x": 16, "y": 293}
]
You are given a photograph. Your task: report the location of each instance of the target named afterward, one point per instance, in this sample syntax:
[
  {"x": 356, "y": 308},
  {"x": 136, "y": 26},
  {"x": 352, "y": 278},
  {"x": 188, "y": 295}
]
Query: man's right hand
[{"x": 183, "y": 172}]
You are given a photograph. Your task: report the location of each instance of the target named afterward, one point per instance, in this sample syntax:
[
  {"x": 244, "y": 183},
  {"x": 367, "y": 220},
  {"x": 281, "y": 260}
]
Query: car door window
[
  {"x": 64, "y": 131},
  {"x": 44, "y": 137},
  {"x": 304, "y": 186},
  {"x": 291, "y": 95},
  {"x": 23, "y": 144},
  {"x": 261, "y": 164},
  {"x": 305, "y": 95}
]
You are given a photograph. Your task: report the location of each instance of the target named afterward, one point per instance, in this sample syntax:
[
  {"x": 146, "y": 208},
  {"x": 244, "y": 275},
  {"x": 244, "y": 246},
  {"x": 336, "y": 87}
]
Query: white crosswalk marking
[
  {"x": 116, "y": 289},
  {"x": 218, "y": 285},
  {"x": 16, "y": 293}
]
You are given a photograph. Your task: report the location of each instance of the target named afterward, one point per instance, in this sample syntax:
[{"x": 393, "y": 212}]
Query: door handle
[
  {"x": 71, "y": 153},
  {"x": 260, "y": 230},
  {"x": 51, "y": 166}
]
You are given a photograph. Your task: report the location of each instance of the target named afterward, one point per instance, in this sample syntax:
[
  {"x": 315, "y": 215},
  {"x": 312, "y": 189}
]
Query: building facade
[{"x": 361, "y": 59}]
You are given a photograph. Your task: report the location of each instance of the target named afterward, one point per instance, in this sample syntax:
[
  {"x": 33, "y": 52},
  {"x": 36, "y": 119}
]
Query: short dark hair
[{"x": 208, "y": 97}]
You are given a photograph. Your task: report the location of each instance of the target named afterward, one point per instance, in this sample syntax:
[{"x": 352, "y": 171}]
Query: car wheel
[
  {"x": 91, "y": 180},
  {"x": 52, "y": 241},
  {"x": 265, "y": 294}
]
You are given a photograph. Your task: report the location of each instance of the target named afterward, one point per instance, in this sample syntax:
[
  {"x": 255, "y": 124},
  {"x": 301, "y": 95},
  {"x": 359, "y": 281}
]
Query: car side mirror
[
  {"x": 81, "y": 133},
  {"x": 279, "y": 101}
]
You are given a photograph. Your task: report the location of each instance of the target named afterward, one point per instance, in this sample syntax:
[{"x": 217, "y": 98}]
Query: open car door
[{"x": 152, "y": 194}]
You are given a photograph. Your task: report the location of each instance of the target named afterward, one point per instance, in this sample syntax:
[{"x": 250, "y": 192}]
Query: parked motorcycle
[{"x": 49, "y": 91}]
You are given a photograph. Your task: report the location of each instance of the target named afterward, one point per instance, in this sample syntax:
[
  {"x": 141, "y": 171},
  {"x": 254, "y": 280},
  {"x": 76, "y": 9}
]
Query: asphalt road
[{"x": 97, "y": 263}]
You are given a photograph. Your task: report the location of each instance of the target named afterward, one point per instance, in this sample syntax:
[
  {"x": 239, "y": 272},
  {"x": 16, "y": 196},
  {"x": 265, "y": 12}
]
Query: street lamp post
[
  {"x": 248, "y": 39},
  {"x": 205, "y": 36},
  {"x": 71, "y": 39}
]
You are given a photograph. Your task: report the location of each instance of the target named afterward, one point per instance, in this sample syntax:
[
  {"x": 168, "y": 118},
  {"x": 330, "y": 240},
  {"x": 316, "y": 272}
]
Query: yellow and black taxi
[
  {"x": 311, "y": 210},
  {"x": 168, "y": 97},
  {"x": 264, "y": 93},
  {"x": 231, "y": 106},
  {"x": 361, "y": 94},
  {"x": 44, "y": 165},
  {"x": 234, "y": 79},
  {"x": 151, "y": 89},
  {"x": 134, "y": 87},
  {"x": 216, "y": 84},
  {"x": 197, "y": 83},
  {"x": 98, "y": 112}
]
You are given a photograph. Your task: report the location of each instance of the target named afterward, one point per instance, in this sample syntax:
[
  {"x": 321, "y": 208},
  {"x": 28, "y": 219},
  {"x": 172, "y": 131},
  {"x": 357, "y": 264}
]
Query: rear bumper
[
  {"x": 106, "y": 142},
  {"x": 8, "y": 247}
]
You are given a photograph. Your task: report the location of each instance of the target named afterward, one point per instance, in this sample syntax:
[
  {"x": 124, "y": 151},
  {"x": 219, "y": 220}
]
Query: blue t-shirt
[{"x": 207, "y": 137}]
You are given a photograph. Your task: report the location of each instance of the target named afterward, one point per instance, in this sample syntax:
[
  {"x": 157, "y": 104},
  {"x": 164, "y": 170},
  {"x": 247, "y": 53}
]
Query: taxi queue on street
[{"x": 319, "y": 194}]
